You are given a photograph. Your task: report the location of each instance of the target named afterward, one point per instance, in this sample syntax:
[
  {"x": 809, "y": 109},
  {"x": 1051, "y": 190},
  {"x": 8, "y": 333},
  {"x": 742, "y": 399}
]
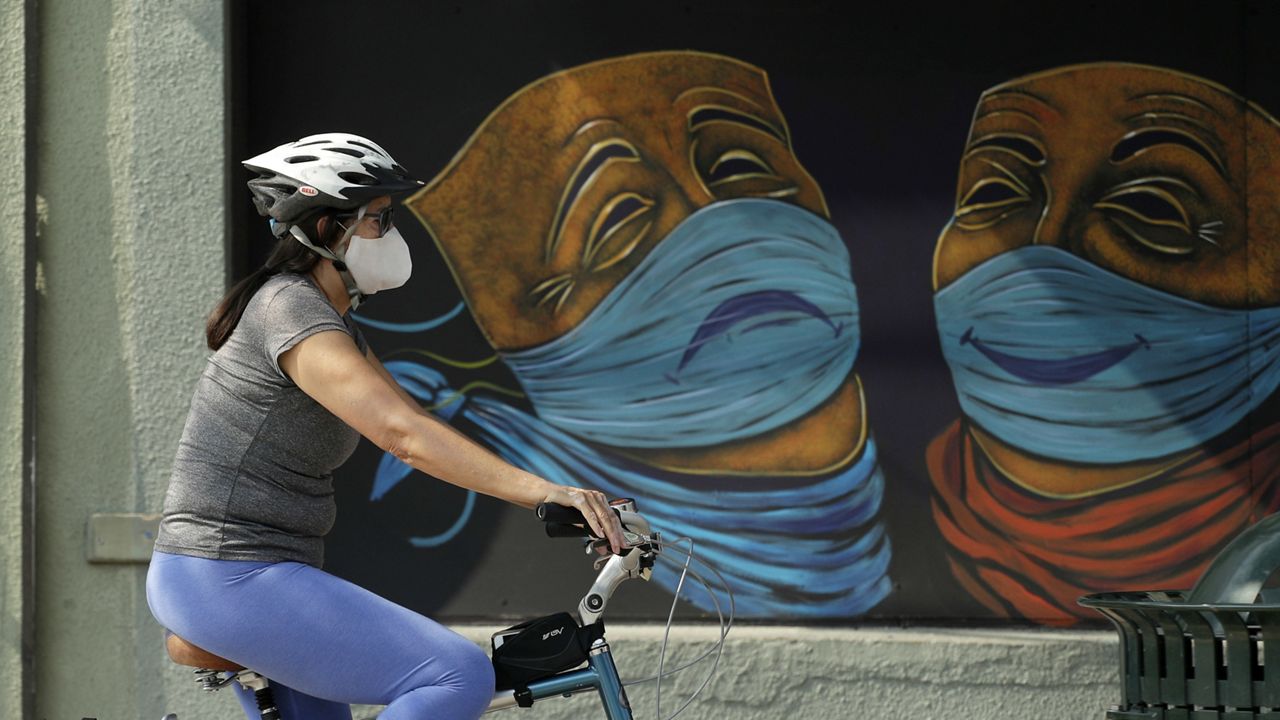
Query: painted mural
[
  {"x": 641, "y": 247},
  {"x": 1107, "y": 297},
  {"x": 625, "y": 278}
]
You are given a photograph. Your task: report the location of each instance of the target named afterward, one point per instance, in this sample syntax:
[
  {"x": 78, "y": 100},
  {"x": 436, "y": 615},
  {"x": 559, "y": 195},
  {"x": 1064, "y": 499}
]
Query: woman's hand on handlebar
[{"x": 594, "y": 506}]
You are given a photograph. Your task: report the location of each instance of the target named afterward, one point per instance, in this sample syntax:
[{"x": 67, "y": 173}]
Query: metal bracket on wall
[{"x": 121, "y": 537}]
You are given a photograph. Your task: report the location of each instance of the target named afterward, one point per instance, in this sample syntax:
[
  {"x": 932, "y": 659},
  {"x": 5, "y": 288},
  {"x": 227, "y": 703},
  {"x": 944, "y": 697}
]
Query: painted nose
[
  {"x": 692, "y": 189},
  {"x": 1060, "y": 223}
]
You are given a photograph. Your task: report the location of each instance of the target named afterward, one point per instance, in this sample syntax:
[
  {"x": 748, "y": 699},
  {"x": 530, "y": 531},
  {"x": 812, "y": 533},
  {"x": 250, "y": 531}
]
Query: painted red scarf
[{"x": 1025, "y": 555}]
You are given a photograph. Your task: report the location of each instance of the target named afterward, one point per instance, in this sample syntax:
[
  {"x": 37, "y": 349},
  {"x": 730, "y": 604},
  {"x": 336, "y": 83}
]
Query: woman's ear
[{"x": 329, "y": 232}]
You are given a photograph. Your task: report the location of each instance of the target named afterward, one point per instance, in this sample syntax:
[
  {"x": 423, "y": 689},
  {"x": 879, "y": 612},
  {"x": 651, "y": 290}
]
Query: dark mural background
[{"x": 879, "y": 102}]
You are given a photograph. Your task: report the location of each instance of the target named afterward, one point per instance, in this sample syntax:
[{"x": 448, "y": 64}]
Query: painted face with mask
[
  {"x": 560, "y": 199},
  {"x": 1108, "y": 301},
  {"x": 638, "y": 241},
  {"x": 1105, "y": 289}
]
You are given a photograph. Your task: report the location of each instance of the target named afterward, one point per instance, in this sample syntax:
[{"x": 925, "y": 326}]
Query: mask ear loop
[{"x": 339, "y": 264}]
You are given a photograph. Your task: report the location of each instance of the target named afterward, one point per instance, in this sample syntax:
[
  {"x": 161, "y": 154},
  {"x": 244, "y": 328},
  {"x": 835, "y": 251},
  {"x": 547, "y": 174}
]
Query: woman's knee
[
  {"x": 456, "y": 678},
  {"x": 476, "y": 673}
]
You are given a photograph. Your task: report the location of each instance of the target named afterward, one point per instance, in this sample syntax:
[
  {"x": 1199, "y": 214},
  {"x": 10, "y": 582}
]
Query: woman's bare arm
[
  {"x": 328, "y": 367},
  {"x": 386, "y": 375}
]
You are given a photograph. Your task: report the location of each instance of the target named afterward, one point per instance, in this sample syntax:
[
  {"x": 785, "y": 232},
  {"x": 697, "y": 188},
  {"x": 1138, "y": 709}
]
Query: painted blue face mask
[
  {"x": 741, "y": 320},
  {"x": 788, "y": 546},
  {"x": 1059, "y": 357}
]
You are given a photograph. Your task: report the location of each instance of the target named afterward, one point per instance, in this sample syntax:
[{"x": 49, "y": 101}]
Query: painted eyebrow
[
  {"x": 1138, "y": 141},
  {"x": 1169, "y": 115},
  {"x": 596, "y": 122},
  {"x": 1016, "y": 113},
  {"x": 1020, "y": 95},
  {"x": 597, "y": 157},
  {"x": 1022, "y": 146},
  {"x": 717, "y": 91},
  {"x": 1177, "y": 97},
  {"x": 703, "y": 114},
  {"x": 707, "y": 114}
]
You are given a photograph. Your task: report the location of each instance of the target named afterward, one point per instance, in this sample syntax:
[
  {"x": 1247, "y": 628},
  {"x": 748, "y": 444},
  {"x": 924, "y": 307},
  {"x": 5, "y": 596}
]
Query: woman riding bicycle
[{"x": 289, "y": 389}]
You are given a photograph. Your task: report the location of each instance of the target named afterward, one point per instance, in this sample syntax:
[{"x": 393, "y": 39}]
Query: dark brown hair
[{"x": 288, "y": 256}]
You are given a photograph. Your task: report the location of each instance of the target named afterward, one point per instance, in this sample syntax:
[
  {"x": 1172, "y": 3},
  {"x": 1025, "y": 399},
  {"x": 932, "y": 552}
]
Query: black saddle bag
[{"x": 540, "y": 648}]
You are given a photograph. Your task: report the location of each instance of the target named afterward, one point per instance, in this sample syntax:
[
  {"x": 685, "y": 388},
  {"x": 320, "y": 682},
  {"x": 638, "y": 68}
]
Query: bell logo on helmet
[{"x": 308, "y": 190}]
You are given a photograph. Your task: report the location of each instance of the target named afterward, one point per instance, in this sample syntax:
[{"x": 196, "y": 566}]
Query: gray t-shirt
[{"x": 253, "y": 477}]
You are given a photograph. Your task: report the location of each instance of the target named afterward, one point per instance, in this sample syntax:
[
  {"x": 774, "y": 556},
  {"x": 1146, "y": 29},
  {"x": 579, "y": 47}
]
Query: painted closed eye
[
  {"x": 1151, "y": 216},
  {"x": 738, "y": 172},
  {"x": 735, "y": 165},
  {"x": 989, "y": 201},
  {"x": 620, "y": 225}
]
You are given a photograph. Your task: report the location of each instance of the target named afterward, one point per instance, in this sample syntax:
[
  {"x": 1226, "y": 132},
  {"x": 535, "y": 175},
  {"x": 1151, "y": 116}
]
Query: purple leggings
[{"x": 323, "y": 642}]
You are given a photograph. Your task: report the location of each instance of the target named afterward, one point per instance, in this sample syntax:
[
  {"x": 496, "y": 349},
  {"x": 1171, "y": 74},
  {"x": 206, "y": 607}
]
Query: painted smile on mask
[
  {"x": 1055, "y": 372},
  {"x": 741, "y": 308}
]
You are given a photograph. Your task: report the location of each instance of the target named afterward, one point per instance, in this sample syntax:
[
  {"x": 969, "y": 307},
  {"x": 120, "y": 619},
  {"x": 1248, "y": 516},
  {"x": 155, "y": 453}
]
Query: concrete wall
[
  {"x": 839, "y": 674},
  {"x": 14, "y": 205},
  {"x": 130, "y": 175},
  {"x": 130, "y": 168}
]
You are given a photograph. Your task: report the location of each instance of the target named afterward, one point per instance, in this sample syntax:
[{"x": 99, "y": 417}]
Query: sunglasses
[{"x": 385, "y": 220}]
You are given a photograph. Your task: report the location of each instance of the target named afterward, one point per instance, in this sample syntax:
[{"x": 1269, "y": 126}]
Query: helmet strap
[{"x": 353, "y": 292}]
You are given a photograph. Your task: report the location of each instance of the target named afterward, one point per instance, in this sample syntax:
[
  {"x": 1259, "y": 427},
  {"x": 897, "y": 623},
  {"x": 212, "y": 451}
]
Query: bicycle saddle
[{"x": 187, "y": 653}]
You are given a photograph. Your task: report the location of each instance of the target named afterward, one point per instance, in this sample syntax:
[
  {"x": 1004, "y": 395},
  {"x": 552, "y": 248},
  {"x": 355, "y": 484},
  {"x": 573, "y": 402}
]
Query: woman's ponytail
[
  {"x": 288, "y": 256},
  {"x": 226, "y": 315}
]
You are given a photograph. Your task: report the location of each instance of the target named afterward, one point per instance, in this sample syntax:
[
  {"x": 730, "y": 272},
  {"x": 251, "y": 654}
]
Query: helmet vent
[
  {"x": 347, "y": 151},
  {"x": 370, "y": 148},
  {"x": 358, "y": 178},
  {"x": 300, "y": 159}
]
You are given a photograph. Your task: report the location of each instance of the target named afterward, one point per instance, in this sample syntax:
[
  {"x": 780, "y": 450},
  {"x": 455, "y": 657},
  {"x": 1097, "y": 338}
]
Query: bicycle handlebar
[
  {"x": 562, "y": 521},
  {"x": 553, "y": 513},
  {"x": 562, "y": 530}
]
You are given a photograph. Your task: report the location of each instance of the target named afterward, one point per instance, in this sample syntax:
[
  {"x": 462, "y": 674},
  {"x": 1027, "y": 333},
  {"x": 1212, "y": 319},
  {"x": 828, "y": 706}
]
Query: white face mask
[{"x": 378, "y": 263}]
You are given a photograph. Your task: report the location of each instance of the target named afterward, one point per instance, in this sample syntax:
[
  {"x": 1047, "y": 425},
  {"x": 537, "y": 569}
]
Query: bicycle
[{"x": 541, "y": 658}]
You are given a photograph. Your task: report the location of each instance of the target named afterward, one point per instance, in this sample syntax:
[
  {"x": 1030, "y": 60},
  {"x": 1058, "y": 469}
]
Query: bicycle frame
[{"x": 600, "y": 674}]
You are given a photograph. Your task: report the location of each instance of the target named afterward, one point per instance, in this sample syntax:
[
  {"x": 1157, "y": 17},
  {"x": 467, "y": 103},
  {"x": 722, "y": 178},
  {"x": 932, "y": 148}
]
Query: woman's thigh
[{"x": 310, "y": 630}]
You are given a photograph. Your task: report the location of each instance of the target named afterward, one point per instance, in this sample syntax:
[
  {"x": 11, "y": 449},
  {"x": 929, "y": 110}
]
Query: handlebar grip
[
  {"x": 553, "y": 513},
  {"x": 562, "y": 530}
]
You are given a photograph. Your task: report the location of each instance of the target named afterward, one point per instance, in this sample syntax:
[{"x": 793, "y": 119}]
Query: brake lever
[{"x": 631, "y": 540}]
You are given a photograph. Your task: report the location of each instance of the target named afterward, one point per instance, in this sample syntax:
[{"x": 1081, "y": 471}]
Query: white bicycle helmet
[{"x": 330, "y": 170}]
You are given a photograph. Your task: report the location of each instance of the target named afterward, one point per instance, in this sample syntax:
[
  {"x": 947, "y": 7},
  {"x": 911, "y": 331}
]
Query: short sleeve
[
  {"x": 294, "y": 314},
  {"x": 361, "y": 343}
]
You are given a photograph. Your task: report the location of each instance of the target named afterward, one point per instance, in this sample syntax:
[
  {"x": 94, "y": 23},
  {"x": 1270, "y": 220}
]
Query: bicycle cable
[
  {"x": 717, "y": 649},
  {"x": 666, "y": 632},
  {"x": 724, "y": 627}
]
